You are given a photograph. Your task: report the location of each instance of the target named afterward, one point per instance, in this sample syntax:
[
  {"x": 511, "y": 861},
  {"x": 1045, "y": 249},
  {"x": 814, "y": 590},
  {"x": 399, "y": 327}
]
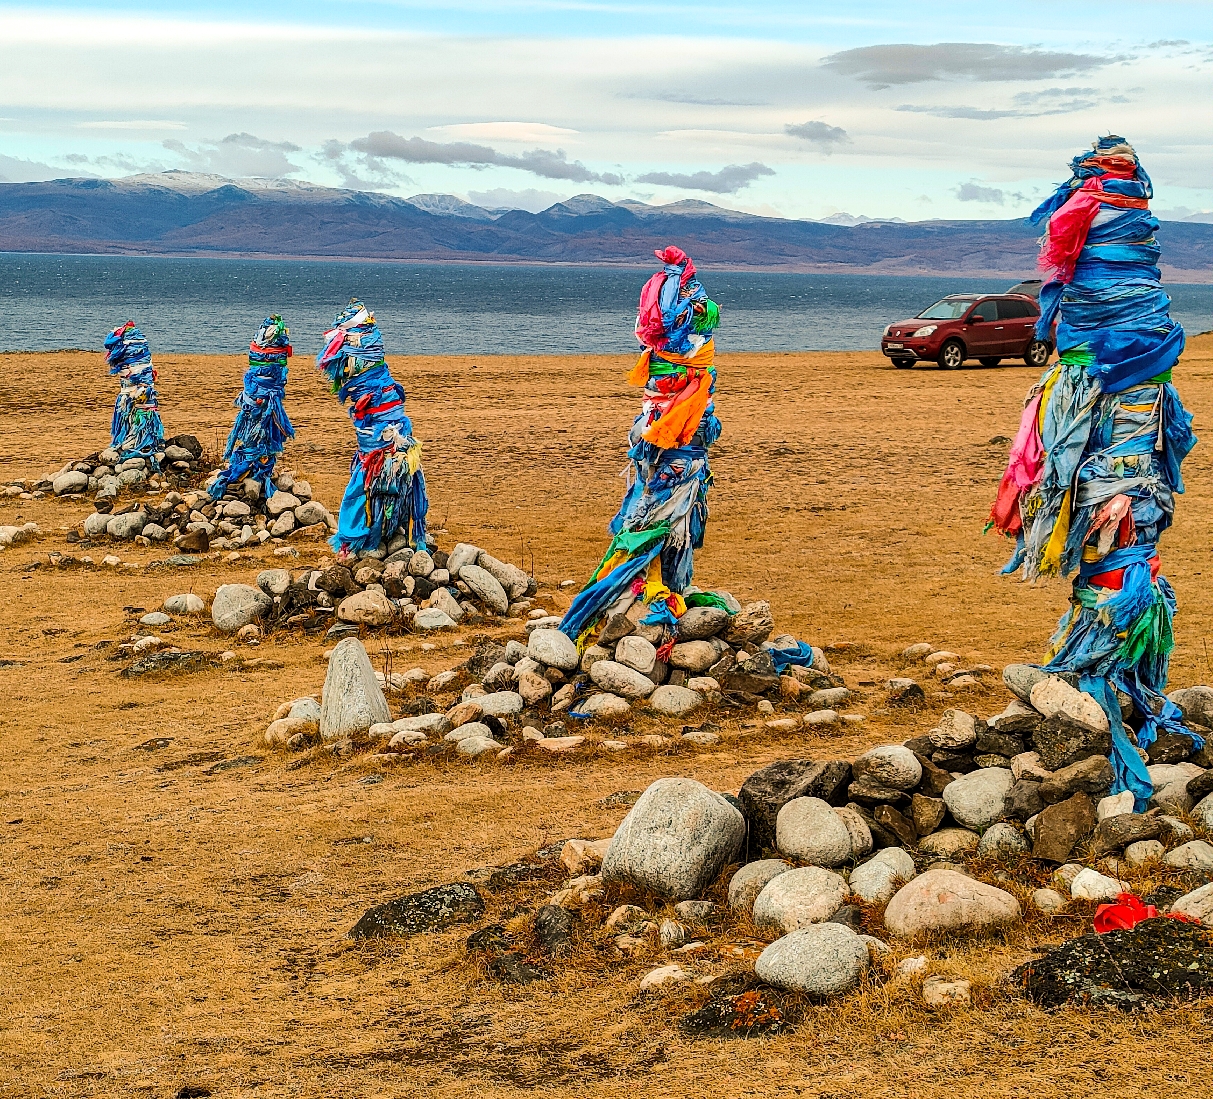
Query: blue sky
[{"x": 799, "y": 110}]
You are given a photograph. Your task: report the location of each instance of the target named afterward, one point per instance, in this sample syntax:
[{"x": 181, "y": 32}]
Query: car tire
[
  {"x": 952, "y": 355},
  {"x": 903, "y": 364},
  {"x": 1038, "y": 353},
  {"x": 990, "y": 360}
]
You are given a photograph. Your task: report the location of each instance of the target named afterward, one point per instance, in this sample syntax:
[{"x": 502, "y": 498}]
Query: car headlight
[{"x": 926, "y": 330}]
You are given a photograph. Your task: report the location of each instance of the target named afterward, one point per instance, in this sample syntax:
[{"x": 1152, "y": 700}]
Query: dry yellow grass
[{"x": 162, "y": 925}]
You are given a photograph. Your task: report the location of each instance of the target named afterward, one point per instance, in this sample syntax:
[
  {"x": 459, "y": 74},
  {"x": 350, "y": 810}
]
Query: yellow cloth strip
[
  {"x": 1047, "y": 392},
  {"x": 1050, "y": 564}
]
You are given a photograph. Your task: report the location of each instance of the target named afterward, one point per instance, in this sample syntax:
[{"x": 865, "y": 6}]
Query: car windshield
[{"x": 949, "y": 309}]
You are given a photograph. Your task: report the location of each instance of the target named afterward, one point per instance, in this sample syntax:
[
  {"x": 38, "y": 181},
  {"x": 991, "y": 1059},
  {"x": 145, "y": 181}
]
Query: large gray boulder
[
  {"x": 675, "y": 840},
  {"x": 237, "y": 605},
  {"x": 485, "y": 587},
  {"x": 619, "y": 679},
  {"x": 700, "y": 623},
  {"x": 71, "y": 481},
  {"x": 876, "y": 880},
  {"x": 890, "y": 765},
  {"x": 513, "y": 580},
  {"x": 752, "y": 879},
  {"x": 808, "y": 895},
  {"x": 808, "y": 830},
  {"x": 824, "y": 960},
  {"x": 552, "y": 648},
  {"x": 367, "y": 608},
  {"x": 352, "y": 700},
  {"x": 976, "y": 800},
  {"x": 946, "y": 900},
  {"x": 126, "y": 526}
]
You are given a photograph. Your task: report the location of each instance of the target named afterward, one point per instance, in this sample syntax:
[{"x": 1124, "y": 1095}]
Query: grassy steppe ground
[{"x": 161, "y": 925}]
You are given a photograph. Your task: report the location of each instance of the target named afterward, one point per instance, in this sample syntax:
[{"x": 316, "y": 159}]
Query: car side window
[
  {"x": 986, "y": 311},
  {"x": 1009, "y": 310}
]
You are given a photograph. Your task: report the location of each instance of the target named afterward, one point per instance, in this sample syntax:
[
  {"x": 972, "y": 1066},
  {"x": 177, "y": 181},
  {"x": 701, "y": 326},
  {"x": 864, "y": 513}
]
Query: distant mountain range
[{"x": 188, "y": 214}]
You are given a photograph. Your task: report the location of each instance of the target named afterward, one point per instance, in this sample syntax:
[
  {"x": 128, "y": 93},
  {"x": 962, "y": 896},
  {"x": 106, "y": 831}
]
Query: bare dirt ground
[{"x": 164, "y": 922}]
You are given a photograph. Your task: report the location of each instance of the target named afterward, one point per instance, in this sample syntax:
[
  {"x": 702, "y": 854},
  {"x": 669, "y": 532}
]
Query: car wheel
[
  {"x": 903, "y": 364},
  {"x": 990, "y": 360},
  {"x": 1037, "y": 354},
  {"x": 952, "y": 355}
]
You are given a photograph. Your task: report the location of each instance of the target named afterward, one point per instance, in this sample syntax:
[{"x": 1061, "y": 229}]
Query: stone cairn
[
  {"x": 398, "y": 589},
  {"x": 194, "y": 523},
  {"x": 107, "y": 474},
  {"x": 832, "y": 862}
]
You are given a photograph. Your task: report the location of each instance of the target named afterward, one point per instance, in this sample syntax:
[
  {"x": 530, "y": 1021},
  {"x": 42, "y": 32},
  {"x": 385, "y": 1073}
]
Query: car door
[
  {"x": 1018, "y": 324},
  {"x": 983, "y": 334}
]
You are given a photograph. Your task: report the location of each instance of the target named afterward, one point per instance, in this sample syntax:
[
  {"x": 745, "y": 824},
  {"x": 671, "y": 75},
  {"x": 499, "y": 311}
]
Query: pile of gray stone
[
  {"x": 818, "y": 873},
  {"x": 107, "y": 474},
  {"x": 194, "y": 523},
  {"x": 399, "y": 589}
]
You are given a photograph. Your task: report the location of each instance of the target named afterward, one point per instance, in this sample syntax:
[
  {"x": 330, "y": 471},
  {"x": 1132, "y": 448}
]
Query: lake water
[{"x": 215, "y": 305}]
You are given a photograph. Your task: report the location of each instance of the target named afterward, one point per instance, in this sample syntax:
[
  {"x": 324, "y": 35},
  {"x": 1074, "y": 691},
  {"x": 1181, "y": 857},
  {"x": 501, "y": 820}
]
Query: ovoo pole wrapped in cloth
[
  {"x": 661, "y": 521},
  {"x": 1095, "y": 467},
  {"x": 262, "y": 427},
  {"x": 136, "y": 430},
  {"x": 386, "y": 491}
]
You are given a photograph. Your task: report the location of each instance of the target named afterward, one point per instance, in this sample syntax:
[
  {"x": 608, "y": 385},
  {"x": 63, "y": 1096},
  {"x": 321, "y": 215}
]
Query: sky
[{"x": 883, "y": 109}]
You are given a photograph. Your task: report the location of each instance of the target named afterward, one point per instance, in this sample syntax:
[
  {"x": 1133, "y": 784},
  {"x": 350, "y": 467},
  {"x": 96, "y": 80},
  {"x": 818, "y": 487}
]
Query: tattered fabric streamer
[
  {"x": 1095, "y": 467},
  {"x": 664, "y": 512},
  {"x": 262, "y": 426},
  {"x": 386, "y": 490},
  {"x": 136, "y": 430}
]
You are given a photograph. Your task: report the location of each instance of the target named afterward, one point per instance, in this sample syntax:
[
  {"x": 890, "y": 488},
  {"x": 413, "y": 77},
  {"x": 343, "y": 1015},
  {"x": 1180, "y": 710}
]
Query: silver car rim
[
  {"x": 952, "y": 357},
  {"x": 1039, "y": 354}
]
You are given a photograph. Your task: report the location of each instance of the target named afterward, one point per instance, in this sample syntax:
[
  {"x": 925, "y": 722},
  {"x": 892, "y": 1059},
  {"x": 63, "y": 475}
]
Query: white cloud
[
  {"x": 530, "y": 133},
  {"x": 238, "y": 155}
]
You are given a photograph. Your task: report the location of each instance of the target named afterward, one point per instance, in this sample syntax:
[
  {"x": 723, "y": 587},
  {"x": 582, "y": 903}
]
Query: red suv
[{"x": 985, "y": 327}]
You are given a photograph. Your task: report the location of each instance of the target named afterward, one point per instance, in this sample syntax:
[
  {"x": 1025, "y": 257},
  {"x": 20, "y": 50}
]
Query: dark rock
[
  {"x": 339, "y": 630},
  {"x": 1022, "y": 801},
  {"x": 617, "y": 627},
  {"x": 1116, "y": 833},
  {"x": 513, "y": 968},
  {"x": 484, "y": 656},
  {"x": 1203, "y": 757},
  {"x": 182, "y": 560},
  {"x": 1092, "y": 775},
  {"x": 927, "y": 813},
  {"x": 768, "y": 790},
  {"x": 194, "y": 541},
  {"x": 185, "y": 442},
  {"x": 515, "y": 874},
  {"x": 991, "y": 760},
  {"x": 1003, "y": 744},
  {"x": 487, "y": 940},
  {"x": 192, "y": 1091},
  {"x": 881, "y": 836},
  {"x": 870, "y": 793},
  {"x": 337, "y": 581},
  {"x": 1060, "y": 742},
  {"x": 907, "y": 694},
  {"x": 948, "y": 762},
  {"x": 919, "y": 745},
  {"x": 742, "y": 1007},
  {"x": 554, "y": 929},
  {"x": 1164, "y": 896},
  {"x": 849, "y": 915},
  {"x": 1061, "y": 827},
  {"x": 893, "y": 821},
  {"x": 934, "y": 779},
  {"x": 1157, "y": 961},
  {"x": 1201, "y": 786},
  {"x": 423, "y": 588},
  {"x": 191, "y": 661},
  {"x": 755, "y": 675},
  {"x": 430, "y": 910},
  {"x": 440, "y": 558},
  {"x": 1171, "y": 748}
]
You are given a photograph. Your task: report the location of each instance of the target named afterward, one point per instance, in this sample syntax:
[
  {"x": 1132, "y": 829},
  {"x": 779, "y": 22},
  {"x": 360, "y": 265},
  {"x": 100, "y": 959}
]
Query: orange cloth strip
[
  {"x": 704, "y": 357},
  {"x": 678, "y": 426}
]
